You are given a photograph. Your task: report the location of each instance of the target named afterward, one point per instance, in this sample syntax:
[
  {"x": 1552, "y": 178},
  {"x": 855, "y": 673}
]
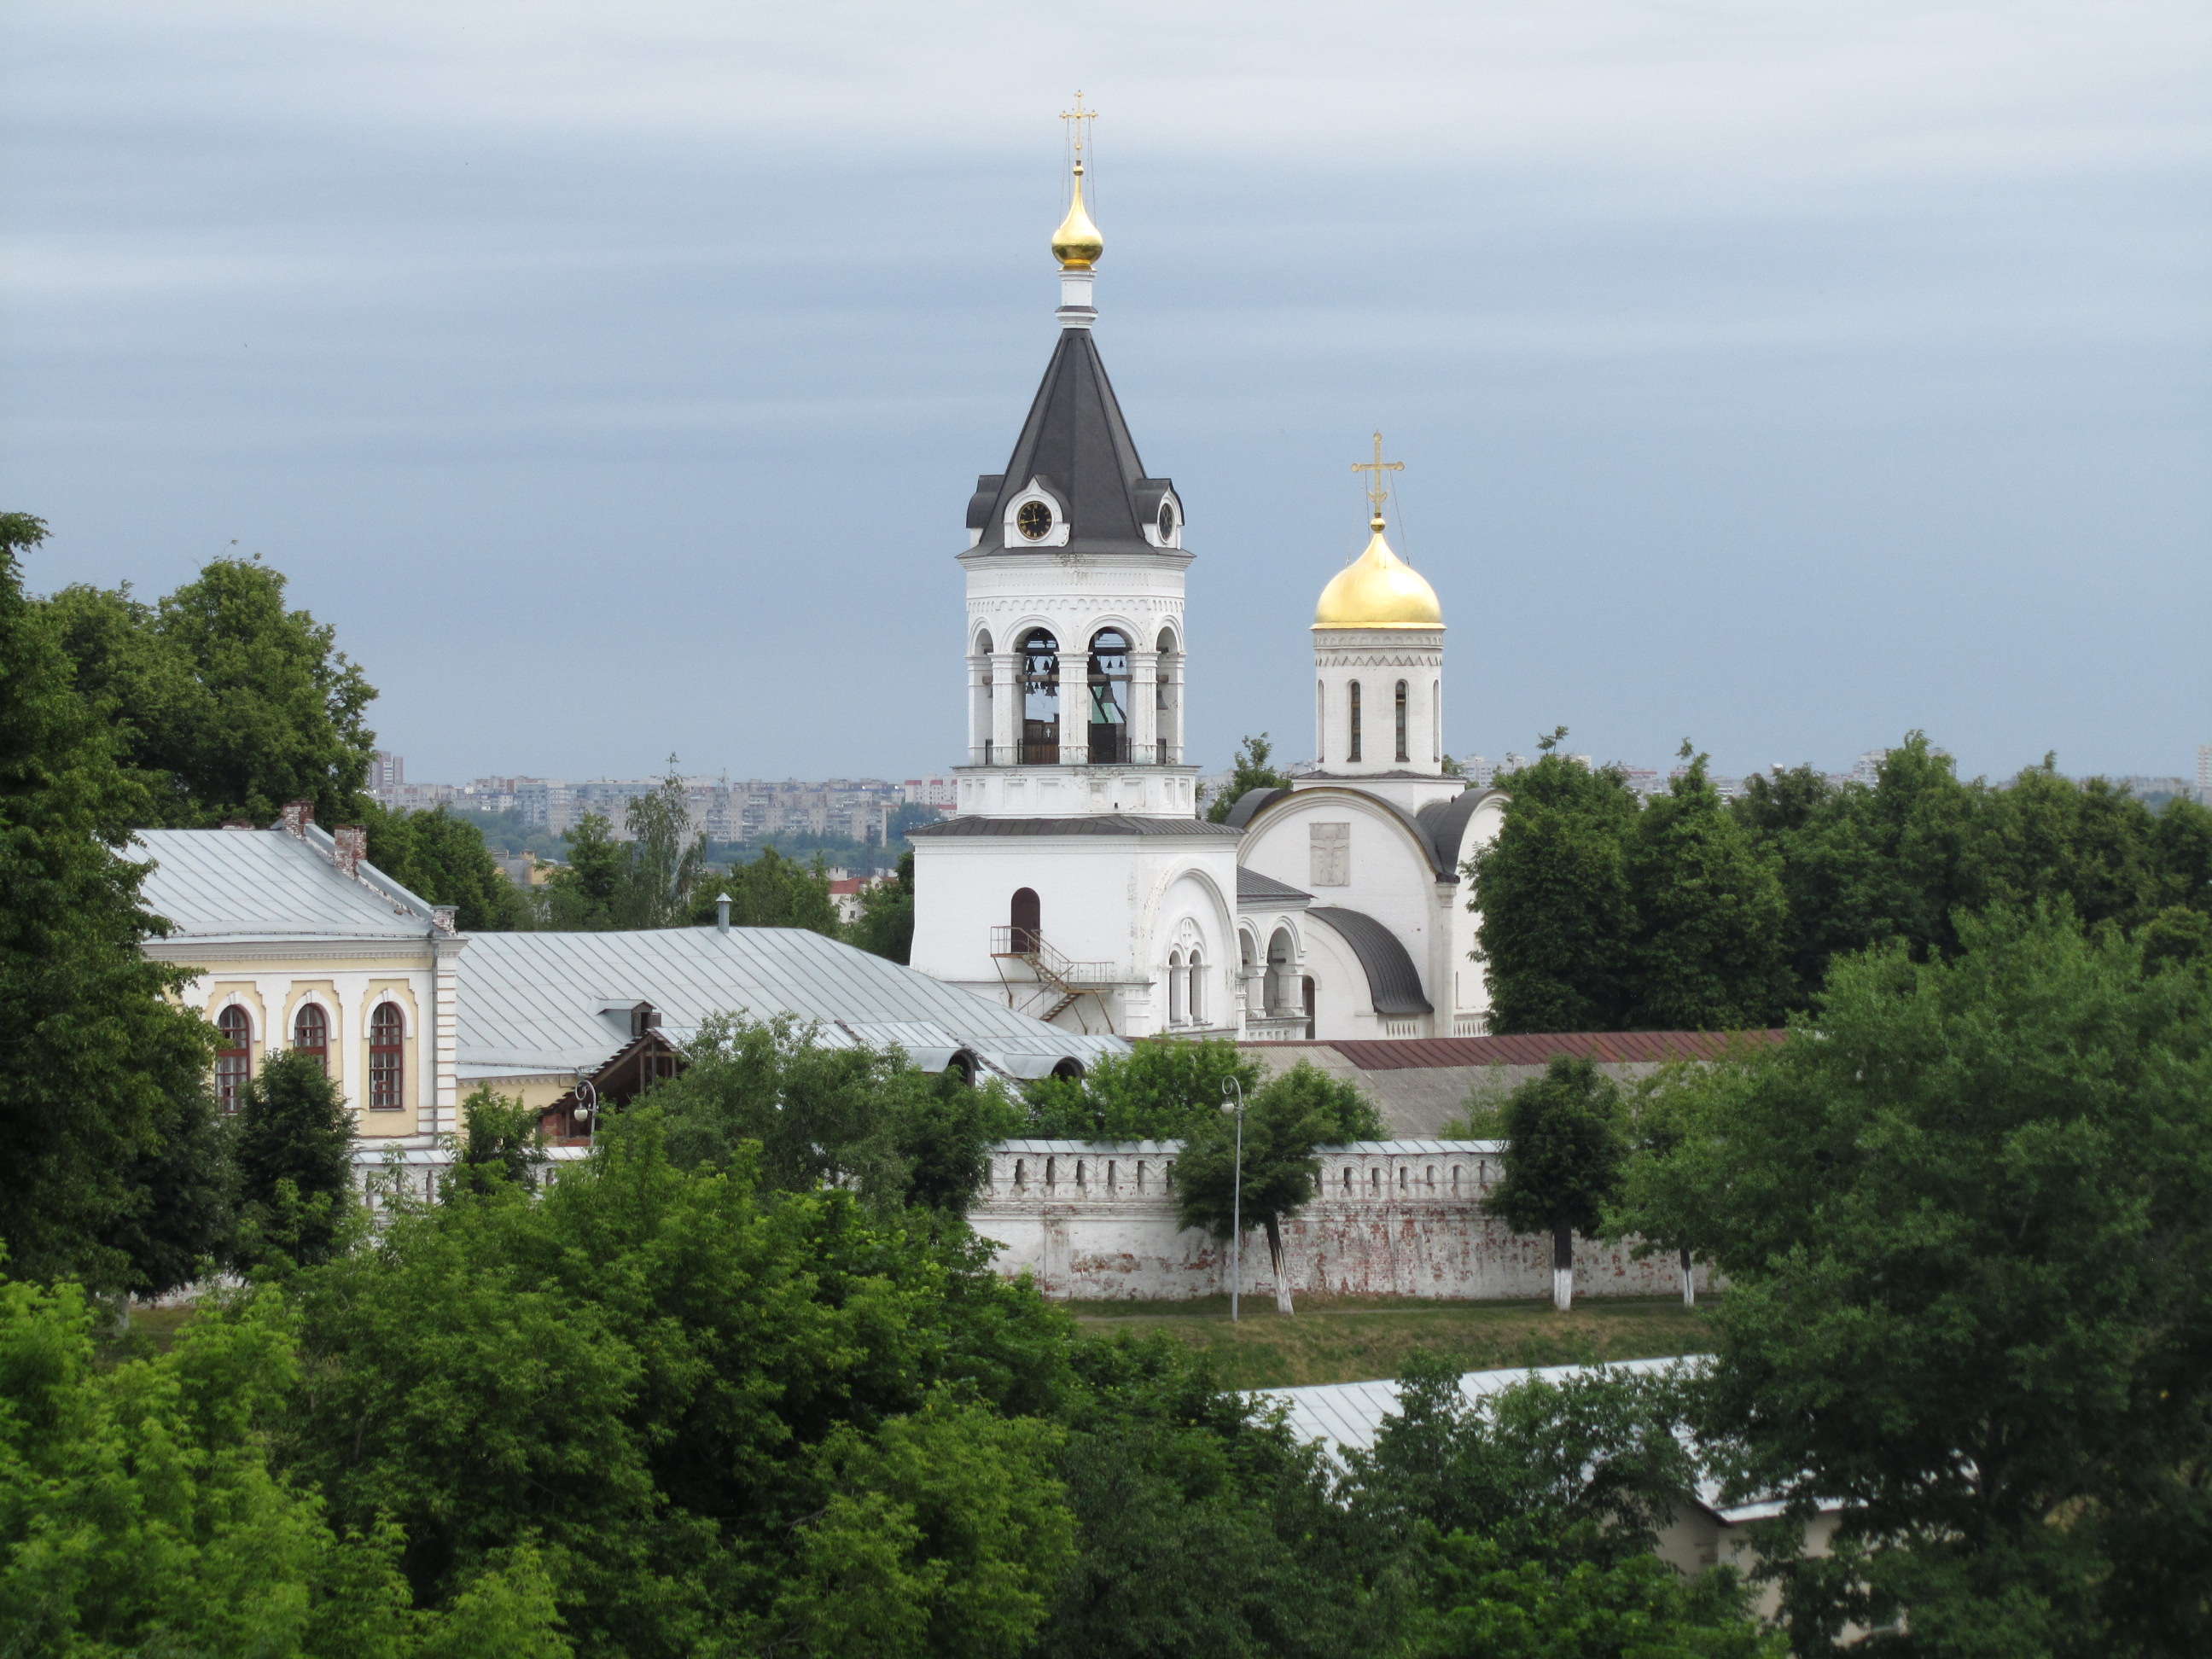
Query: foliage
[
  {"x": 226, "y": 705},
  {"x": 295, "y": 1155},
  {"x": 1964, "y": 1221},
  {"x": 663, "y": 860},
  {"x": 886, "y": 925},
  {"x": 1564, "y": 1147},
  {"x": 1154, "y": 1092},
  {"x": 139, "y": 1513},
  {"x": 444, "y": 858},
  {"x": 581, "y": 895},
  {"x": 100, "y": 1066},
  {"x": 1250, "y": 770},
  {"x": 179, "y": 1207},
  {"x": 864, "y": 1119},
  {"x": 500, "y": 1143},
  {"x": 772, "y": 891}
]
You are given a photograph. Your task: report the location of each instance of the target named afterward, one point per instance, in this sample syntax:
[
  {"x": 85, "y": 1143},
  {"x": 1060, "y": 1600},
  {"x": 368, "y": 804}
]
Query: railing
[{"x": 1029, "y": 945}]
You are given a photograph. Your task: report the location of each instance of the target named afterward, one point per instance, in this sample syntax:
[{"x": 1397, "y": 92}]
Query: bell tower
[{"x": 1075, "y": 796}]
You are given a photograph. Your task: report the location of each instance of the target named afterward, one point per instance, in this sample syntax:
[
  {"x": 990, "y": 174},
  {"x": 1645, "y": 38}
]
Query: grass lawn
[{"x": 1357, "y": 1339}]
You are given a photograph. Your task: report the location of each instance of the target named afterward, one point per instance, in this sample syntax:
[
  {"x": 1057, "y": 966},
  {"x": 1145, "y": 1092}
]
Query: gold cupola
[
  {"x": 1077, "y": 244},
  {"x": 1378, "y": 589}
]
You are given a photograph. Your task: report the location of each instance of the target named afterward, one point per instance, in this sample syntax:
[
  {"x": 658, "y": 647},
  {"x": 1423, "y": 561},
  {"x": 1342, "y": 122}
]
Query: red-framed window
[
  {"x": 311, "y": 1034},
  {"x": 233, "y": 1056},
  {"x": 387, "y": 1055}
]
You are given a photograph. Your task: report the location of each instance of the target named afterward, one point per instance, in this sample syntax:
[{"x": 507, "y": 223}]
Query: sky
[{"x": 614, "y": 377}]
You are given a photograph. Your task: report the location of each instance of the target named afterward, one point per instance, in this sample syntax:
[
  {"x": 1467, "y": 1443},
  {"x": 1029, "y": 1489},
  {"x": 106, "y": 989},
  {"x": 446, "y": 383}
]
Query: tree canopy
[
  {"x": 1252, "y": 768},
  {"x": 1564, "y": 1147}
]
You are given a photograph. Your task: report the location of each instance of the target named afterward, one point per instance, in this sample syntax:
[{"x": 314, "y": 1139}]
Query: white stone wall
[{"x": 1096, "y": 1220}]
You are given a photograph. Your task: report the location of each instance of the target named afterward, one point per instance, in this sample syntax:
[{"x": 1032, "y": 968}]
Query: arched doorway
[{"x": 1026, "y": 915}]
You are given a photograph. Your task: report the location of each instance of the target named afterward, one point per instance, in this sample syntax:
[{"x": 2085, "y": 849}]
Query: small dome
[
  {"x": 1077, "y": 244},
  {"x": 1378, "y": 589}
]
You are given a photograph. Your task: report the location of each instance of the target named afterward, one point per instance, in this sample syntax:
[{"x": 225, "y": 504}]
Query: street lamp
[{"x": 1236, "y": 1198}]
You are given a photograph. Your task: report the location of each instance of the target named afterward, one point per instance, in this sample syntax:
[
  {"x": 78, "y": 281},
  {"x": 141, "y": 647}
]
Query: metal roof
[
  {"x": 1350, "y": 1414},
  {"x": 228, "y": 885},
  {"x": 1532, "y": 1049},
  {"x": 1393, "y": 983},
  {"x": 533, "y": 1001},
  {"x": 1098, "y": 823},
  {"x": 1253, "y": 888}
]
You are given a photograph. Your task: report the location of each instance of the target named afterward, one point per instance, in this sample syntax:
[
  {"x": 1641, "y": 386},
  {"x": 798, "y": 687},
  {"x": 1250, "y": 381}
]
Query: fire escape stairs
[{"x": 1060, "y": 981}]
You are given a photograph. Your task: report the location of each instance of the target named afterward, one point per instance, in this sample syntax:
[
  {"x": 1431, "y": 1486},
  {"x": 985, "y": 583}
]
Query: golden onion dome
[
  {"x": 1378, "y": 589},
  {"x": 1077, "y": 244}
]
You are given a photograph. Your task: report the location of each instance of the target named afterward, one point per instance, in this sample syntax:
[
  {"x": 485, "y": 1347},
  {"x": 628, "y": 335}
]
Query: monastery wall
[{"x": 1096, "y": 1220}]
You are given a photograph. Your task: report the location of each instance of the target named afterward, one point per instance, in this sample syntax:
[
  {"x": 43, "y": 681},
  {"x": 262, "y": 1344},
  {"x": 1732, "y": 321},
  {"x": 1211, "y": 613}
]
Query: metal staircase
[{"x": 1055, "y": 984}]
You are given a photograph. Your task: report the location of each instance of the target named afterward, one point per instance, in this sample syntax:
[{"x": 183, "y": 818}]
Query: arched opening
[
  {"x": 1320, "y": 722},
  {"x": 1307, "y": 997},
  {"x": 1282, "y": 975},
  {"x": 1025, "y": 916},
  {"x": 1109, "y": 677},
  {"x": 311, "y": 1034},
  {"x": 386, "y": 1058},
  {"x": 1435, "y": 719},
  {"x": 1039, "y": 699},
  {"x": 1351, "y": 734},
  {"x": 1401, "y": 752},
  {"x": 1167, "y": 699},
  {"x": 1178, "y": 988},
  {"x": 233, "y": 1056},
  {"x": 982, "y": 721},
  {"x": 1195, "y": 995},
  {"x": 1068, "y": 1069}
]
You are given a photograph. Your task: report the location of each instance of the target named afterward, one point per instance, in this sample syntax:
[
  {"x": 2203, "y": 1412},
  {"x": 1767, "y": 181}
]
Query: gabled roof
[
  {"x": 1077, "y": 445},
  {"x": 536, "y": 1002},
  {"x": 235, "y": 884}
]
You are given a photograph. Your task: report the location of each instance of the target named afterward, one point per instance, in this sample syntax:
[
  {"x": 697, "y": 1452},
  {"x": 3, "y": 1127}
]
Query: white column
[
  {"x": 1074, "y": 705},
  {"x": 1143, "y": 714},
  {"x": 445, "y": 1033},
  {"x": 1006, "y": 709},
  {"x": 979, "y": 707}
]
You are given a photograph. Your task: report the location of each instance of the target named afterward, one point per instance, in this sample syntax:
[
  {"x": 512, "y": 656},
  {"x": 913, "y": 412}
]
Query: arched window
[
  {"x": 984, "y": 723},
  {"x": 1178, "y": 988},
  {"x": 1351, "y": 752},
  {"x": 1402, "y": 755},
  {"x": 386, "y": 1058},
  {"x": 1109, "y": 698},
  {"x": 1167, "y": 693},
  {"x": 233, "y": 1056},
  {"x": 1039, "y": 699},
  {"x": 1282, "y": 977},
  {"x": 1025, "y": 919},
  {"x": 1321, "y": 721},
  {"x": 1194, "y": 997},
  {"x": 310, "y": 1033},
  {"x": 1435, "y": 719}
]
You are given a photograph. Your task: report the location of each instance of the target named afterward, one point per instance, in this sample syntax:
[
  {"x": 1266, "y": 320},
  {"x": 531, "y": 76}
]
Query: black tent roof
[{"x": 1077, "y": 445}]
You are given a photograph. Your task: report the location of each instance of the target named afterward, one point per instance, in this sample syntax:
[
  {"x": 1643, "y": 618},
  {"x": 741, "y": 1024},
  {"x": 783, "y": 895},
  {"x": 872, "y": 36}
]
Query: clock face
[
  {"x": 1167, "y": 519},
  {"x": 1034, "y": 520}
]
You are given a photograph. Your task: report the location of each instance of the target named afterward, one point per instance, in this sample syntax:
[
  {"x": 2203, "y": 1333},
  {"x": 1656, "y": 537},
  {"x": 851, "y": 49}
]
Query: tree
[
  {"x": 1707, "y": 950},
  {"x": 1553, "y": 889},
  {"x": 1562, "y": 1161},
  {"x": 444, "y": 858},
  {"x": 179, "y": 1207},
  {"x": 885, "y": 927},
  {"x": 500, "y": 1143},
  {"x": 1156, "y": 1091},
  {"x": 295, "y": 1152},
  {"x": 100, "y": 1064},
  {"x": 1967, "y": 1219},
  {"x": 1273, "y": 1174},
  {"x": 666, "y": 858},
  {"x": 1250, "y": 770},
  {"x": 225, "y": 704},
  {"x": 771, "y": 890},
  {"x": 582, "y": 895}
]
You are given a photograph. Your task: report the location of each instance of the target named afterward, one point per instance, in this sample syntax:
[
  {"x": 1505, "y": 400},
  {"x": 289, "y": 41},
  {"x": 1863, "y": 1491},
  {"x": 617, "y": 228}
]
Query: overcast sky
[{"x": 614, "y": 376}]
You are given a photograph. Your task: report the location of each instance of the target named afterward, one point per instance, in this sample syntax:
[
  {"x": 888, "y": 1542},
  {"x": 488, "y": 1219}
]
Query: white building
[{"x": 1077, "y": 881}]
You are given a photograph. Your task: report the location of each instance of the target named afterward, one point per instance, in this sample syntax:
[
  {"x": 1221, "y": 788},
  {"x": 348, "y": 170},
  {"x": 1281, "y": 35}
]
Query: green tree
[
  {"x": 885, "y": 926},
  {"x": 294, "y": 1154},
  {"x": 1553, "y": 892},
  {"x": 582, "y": 895},
  {"x": 1252, "y": 770},
  {"x": 226, "y": 703},
  {"x": 444, "y": 858},
  {"x": 1707, "y": 952},
  {"x": 179, "y": 1204},
  {"x": 664, "y": 858},
  {"x": 1156, "y": 1091},
  {"x": 500, "y": 1143},
  {"x": 1270, "y": 1174},
  {"x": 99, "y": 1065},
  {"x": 771, "y": 890},
  {"x": 1562, "y": 1161},
  {"x": 1964, "y": 1219}
]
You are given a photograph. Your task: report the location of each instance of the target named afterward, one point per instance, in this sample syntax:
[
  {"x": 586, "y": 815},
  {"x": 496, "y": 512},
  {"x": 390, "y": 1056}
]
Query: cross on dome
[{"x": 1377, "y": 492}]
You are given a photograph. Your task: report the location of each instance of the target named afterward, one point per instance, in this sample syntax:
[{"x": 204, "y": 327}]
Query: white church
[{"x": 1078, "y": 882}]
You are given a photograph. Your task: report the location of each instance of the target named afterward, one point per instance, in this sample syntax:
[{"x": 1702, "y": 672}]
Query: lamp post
[{"x": 1236, "y": 1199}]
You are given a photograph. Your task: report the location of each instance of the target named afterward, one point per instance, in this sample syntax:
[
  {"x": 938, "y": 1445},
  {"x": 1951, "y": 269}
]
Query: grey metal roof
[
  {"x": 1445, "y": 824},
  {"x": 533, "y": 1001},
  {"x": 230, "y": 884},
  {"x": 1100, "y": 823},
  {"x": 1392, "y": 981},
  {"x": 1077, "y": 444},
  {"x": 1248, "y": 802},
  {"x": 1253, "y": 888},
  {"x": 1350, "y": 1414}
]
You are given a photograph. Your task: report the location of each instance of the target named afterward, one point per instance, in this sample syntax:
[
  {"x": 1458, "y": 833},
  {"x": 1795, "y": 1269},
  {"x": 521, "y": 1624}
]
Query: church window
[
  {"x": 1039, "y": 699},
  {"x": 1401, "y": 721},
  {"x": 1109, "y": 698},
  {"x": 1435, "y": 719},
  {"x": 1178, "y": 988},
  {"x": 234, "y": 1056},
  {"x": 1194, "y": 998},
  {"x": 1166, "y": 691},
  {"x": 386, "y": 1054},
  {"x": 1320, "y": 722},
  {"x": 1024, "y": 934},
  {"x": 311, "y": 1034},
  {"x": 1034, "y": 520},
  {"x": 1352, "y": 752},
  {"x": 1329, "y": 854},
  {"x": 1167, "y": 519}
]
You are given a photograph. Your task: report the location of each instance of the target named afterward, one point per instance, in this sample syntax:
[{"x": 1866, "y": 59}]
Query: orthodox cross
[
  {"x": 1078, "y": 115},
  {"x": 1377, "y": 491}
]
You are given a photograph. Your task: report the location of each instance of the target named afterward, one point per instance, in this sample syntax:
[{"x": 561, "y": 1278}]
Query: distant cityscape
[{"x": 875, "y": 811}]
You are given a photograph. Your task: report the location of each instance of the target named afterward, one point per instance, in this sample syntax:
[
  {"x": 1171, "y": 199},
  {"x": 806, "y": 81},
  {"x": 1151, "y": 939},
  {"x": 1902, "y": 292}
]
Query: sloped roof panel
[{"x": 264, "y": 884}]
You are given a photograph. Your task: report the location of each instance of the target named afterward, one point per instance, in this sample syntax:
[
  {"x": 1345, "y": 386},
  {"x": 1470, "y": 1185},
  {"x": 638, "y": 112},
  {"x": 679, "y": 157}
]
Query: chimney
[
  {"x": 722, "y": 912},
  {"x": 297, "y": 815},
  {"x": 352, "y": 848},
  {"x": 441, "y": 917}
]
